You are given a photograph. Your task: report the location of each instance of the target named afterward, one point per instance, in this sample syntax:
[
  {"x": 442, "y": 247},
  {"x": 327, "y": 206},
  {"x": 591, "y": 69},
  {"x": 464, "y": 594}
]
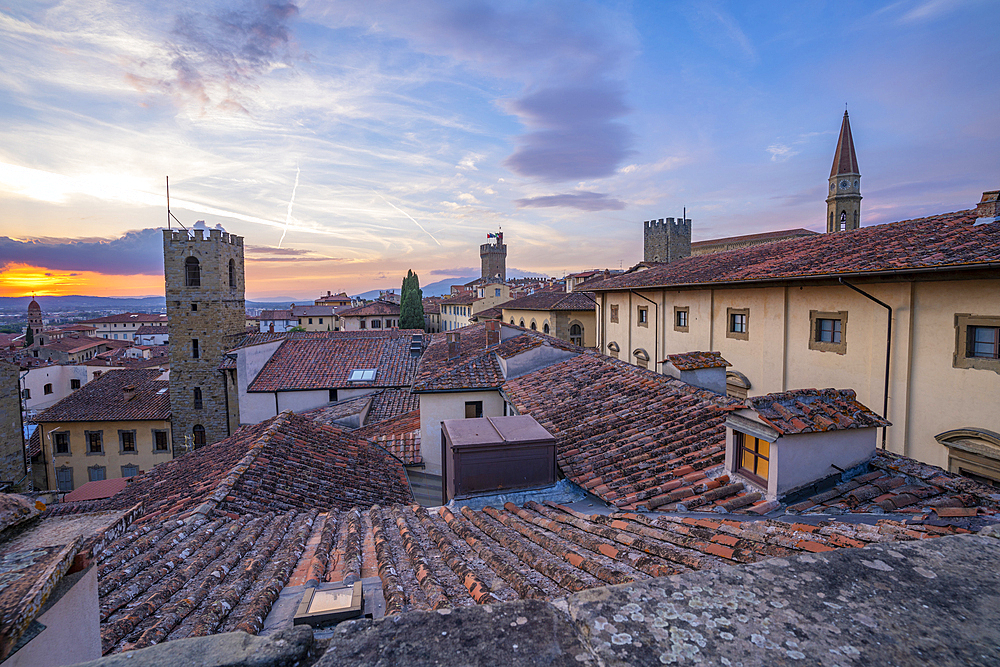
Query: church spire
[
  {"x": 845, "y": 160},
  {"x": 843, "y": 206}
]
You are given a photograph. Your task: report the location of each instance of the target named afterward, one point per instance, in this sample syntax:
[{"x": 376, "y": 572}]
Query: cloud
[
  {"x": 217, "y": 52},
  {"x": 462, "y": 271},
  {"x": 585, "y": 201},
  {"x": 138, "y": 252},
  {"x": 781, "y": 152}
]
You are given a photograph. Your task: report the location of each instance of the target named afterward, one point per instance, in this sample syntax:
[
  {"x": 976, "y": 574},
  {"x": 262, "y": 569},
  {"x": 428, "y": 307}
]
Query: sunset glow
[{"x": 25, "y": 280}]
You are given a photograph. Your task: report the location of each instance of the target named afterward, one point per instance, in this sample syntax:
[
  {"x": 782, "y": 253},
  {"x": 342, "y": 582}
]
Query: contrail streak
[
  {"x": 408, "y": 216},
  {"x": 288, "y": 216}
]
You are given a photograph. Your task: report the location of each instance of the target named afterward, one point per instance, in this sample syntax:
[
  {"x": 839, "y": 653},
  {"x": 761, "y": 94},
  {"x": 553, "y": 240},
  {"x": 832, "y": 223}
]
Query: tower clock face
[{"x": 843, "y": 185}]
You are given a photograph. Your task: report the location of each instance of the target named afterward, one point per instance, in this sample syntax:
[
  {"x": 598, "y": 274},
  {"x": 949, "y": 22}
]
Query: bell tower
[{"x": 843, "y": 206}]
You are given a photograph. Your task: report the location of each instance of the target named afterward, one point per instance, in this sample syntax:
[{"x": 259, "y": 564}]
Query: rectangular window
[
  {"x": 47, "y": 389},
  {"x": 614, "y": 313},
  {"x": 321, "y": 320},
  {"x": 130, "y": 470},
  {"x": 473, "y": 409},
  {"x": 26, "y": 394},
  {"x": 195, "y": 350},
  {"x": 681, "y": 318},
  {"x": 984, "y": 342},
  {"x": 97, "y": 473},
  {"x": 60, "y": 441},
  {"x": 198, "y": 403},
  {"x": 362, "y": 324},
  {"x": 738, "y": 323},
  {"x": 977, "y": 342},
  {"x": 95, "y": 442},
  {"x": 74, "y": 384},
  {"x": 64, "y": 479},
  {"x": 643, "y": 316},
  {"x": 496, "y": 292},
  {"x": 752, "y": 456},
  {"x": 333, "y": 395},
  {"x": 310, "y": 320},
  {"x": 126, "y": 440},
  {"x": 159, "y": 441},
  {"x": 194, "y": 307},
  {"x": 828, "y": 331}
]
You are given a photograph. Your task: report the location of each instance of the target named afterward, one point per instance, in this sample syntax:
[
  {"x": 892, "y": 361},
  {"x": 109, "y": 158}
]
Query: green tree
[
  {"x": 411, "y": 304},
  {"x": 29, "y": 336}
]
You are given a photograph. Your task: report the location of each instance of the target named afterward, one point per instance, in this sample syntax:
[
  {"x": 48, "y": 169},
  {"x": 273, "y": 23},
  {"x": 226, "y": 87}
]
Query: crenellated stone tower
[
  {"x": 494, "y": 256},
  {"x": 205, "y": 288},
  {"x": 666, "y": 239},
  {"x": 843, "y": 206}
]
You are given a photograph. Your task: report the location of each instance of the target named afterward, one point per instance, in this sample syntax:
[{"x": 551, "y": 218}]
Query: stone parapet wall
[{"x": 12, "y": 455}]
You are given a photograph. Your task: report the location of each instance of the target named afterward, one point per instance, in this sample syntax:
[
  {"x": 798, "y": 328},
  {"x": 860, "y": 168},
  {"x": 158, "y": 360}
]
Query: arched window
[
  {"x": 197, "y": 398},
  {"x": 534, "y": 327},
  {"x": 522, "y": 322},
  {"x": 512, "y": 320},
  {"x": 232, "y": 273},
  {"x": 199, "y": 435},
  {"x": 843, "y": 220},
  {"x": 576, "y": 334},
  {"x": 192, "y": 272},
  {"x": 545, "y": 328}
]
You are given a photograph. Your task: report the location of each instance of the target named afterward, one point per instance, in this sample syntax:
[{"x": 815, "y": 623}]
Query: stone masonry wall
[
  {"x": 217, "y": 322},
  {"x": 666, "y": 240},
  {"x": 12, "y": 463},
  {"x": 494, "y": 260}
]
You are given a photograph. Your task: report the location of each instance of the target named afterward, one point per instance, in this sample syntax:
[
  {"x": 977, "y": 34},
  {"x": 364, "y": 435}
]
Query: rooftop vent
[
  {"x": 492, "y": 333},
  {"x": 128, "y": 391},
  {"x": 454, "y": 345}
]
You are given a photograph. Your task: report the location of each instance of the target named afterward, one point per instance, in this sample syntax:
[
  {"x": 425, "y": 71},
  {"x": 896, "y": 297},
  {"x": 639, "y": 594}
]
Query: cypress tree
[{"x": 411, "y": 305}]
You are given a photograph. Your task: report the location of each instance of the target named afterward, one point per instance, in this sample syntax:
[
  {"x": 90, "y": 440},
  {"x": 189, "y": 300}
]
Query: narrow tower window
[
  {"x": 197, "y": 398},
  {"x": 843, "y": 220},
  {"x": 195, "y": 350},
  {"x": 192, "y": 272},
  {"x": 232, "y": 273}
]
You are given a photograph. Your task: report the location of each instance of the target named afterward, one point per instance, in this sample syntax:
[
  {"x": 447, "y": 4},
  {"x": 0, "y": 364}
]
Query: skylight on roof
[
  {"x": 362, "y": 375},
  {"x": 162, "y": 391}
]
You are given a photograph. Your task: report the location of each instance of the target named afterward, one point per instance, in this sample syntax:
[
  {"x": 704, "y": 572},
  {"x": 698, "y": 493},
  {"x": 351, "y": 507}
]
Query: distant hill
[{"x": 77, "y": 303}]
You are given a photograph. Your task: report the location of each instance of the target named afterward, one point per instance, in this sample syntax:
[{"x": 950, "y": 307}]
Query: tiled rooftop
[
  {"x": 288, "y": 462},
  {"x": 946, "y": 241},
  {"x": 126, "y": 317},
  {"x": 390, "y": 403},
  {"x": 104, "y": 399},
  {"x": 399, "y": 435},
  {"x": 692, "y": 361},
  {"x": 371, "y": 309},
  {"x": 748, "y": 238},
  {"x": 814, "y": 410},
  {"x": 165, "y": 581},
  {"x": 149, "y": 330},
  {"x": 97, "y": 490},
  {"x": 72, "y": 344},
  {"x": 546, "y": 300},
  {"x": 895, "y": 483},
  {"x": 327, "y": 362},
  {"x": 633, "y": 437}
]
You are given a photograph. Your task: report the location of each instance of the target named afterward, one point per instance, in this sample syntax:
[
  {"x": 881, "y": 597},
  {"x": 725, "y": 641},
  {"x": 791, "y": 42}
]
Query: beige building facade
[{"x": 792, "y": 330}]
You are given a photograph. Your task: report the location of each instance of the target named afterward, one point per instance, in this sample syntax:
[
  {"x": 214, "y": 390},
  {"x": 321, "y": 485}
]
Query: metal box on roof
[{"x": 493, "y": 454}]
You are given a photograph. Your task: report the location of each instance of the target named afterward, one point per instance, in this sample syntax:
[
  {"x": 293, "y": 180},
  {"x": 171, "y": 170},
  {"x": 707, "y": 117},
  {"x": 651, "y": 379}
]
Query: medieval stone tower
[
  {"x": 666, "y": 240},
  {"x": 35, "y": 323},
  {"x": 205, "y": 305},
  {"x": 494, "y": 256},
  {"x": 843, "y": 206}
]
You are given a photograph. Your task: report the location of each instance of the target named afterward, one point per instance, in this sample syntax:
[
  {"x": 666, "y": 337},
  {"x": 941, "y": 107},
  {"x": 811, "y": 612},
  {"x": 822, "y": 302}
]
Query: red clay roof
[
  {"x": 937, "y": 243},
  {"x": 814, "y": 410},
  {"x": 126, "y": 317},
  {"x": 400, "y": 436},
  {"x": 326, "y": 363},
  {"x": 845, "y": 160},
  {"x": 97, "y": 490},
  {"x": 371, "y": 309},
  {"x": 763, "y": 236},
  {"x": 103, "y": 399},
  {"x": 626, "y": 434},
  {"x": 546, "y": 300},
  {"x": 692, "y": 361}
]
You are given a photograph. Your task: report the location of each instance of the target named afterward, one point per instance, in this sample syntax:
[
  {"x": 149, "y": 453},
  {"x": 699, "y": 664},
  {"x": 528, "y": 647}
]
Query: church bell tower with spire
[{"x": 843, "y": 206}]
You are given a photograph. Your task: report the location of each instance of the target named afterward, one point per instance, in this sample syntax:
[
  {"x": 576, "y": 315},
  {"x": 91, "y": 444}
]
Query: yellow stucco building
[
  {"x": 816, "y": 312},
  {"x": 117, "y": 425}
]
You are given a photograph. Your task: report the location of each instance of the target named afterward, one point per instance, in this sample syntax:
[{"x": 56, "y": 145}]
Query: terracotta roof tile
[
  {"x": 940, "y": 242},
  {"x": 97, "y": 490},
  {"x": 813, "y": 410},
  {"x": 104, "y": 399},
  {"x": 546, "y": 300},
  {"x": 368, "y": 310},
  {"x": 326, "y": 363},
  {"x": 692, "y": 361}
]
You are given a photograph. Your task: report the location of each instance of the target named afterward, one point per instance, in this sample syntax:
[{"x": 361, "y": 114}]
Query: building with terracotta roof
[
  {"x": 276, "y": 321},
  {"x": 746, "y": 240},
  {"x": 375, "y": 315},
  {"x": 815, "y": 312},
  {"x": 72, "y": 348},
  {"x": 302, "y": 371},
  {"x": 123, "y": 325},
  {"x": 319, "y": 317},
  {"x": 152, "y": 335},
  {"x": 117, "y": 425},
  {"x": 340, "y": 300},
  {"x": 568, "y": 316}
]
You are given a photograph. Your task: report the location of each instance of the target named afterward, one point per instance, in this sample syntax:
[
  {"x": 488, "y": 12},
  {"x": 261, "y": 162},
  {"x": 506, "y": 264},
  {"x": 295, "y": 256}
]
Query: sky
[{"x": 351, "y": 141}]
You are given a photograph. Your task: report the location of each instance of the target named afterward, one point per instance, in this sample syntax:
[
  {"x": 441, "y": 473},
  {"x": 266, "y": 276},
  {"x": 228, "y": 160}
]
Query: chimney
[
  {"x": 492, "y": 333},
  {"x": 988, "y": 209},
  {"x": 129, "y": 392},
  {"x": 454, "y": 345}
]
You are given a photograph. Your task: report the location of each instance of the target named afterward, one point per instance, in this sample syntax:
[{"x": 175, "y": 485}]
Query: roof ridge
[{"x": 224, "y": 487}]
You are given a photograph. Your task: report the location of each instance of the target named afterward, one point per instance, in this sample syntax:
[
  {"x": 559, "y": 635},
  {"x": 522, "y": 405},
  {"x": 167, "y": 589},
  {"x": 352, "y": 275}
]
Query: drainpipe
[
  {"x": 888, "y": 350},
  {"x": 656, "y": 332}
]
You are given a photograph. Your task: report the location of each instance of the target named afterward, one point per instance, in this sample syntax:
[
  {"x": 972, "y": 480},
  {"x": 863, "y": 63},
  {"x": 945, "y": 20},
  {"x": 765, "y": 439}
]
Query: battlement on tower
[
  {"x": 215, "y": 235},
  {"x": 666, "y": 239}
]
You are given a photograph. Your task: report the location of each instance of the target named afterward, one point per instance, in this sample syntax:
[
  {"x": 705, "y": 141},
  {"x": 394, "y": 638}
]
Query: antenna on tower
[
  {"x": 169, "y": 214},
  {"x": 684, "y": 216}
]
